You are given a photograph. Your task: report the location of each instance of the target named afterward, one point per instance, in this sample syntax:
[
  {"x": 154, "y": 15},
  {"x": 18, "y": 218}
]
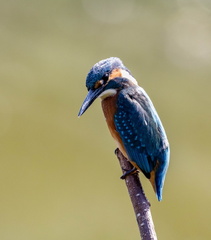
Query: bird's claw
[{"x": 134, "y": 170}]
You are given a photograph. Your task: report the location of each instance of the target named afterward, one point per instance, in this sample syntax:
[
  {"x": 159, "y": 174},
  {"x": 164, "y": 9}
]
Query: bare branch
[{"x": 140, "y": 203}]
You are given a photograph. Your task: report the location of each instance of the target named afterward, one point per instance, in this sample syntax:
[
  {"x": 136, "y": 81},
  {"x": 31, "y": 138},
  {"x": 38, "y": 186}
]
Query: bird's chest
[{"x": 109, "y": 109}]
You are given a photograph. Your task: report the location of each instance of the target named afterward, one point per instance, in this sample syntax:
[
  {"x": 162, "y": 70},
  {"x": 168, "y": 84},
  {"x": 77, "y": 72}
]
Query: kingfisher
[{"x": 131, "y": 118}]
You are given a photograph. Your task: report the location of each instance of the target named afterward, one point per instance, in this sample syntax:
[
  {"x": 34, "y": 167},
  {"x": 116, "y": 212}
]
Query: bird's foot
[{"x": 134, "y": 170}]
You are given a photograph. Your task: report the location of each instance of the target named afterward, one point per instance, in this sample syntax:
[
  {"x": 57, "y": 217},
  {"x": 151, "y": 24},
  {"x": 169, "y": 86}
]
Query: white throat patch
[{"x": 107, "y": 93}]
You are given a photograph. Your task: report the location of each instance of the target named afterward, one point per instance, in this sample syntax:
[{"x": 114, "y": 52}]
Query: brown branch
[{"x": 140, "y": 203}]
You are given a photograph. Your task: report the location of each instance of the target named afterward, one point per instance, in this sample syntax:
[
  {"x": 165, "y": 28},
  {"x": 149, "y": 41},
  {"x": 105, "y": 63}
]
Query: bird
[{"x": 131, "y": 118}]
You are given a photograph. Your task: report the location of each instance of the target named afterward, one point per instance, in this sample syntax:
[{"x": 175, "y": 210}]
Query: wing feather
[{"x": 140, "y": 128}]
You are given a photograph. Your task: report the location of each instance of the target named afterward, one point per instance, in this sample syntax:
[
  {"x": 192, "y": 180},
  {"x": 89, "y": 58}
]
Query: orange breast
[{"x": 109, "y": 109}]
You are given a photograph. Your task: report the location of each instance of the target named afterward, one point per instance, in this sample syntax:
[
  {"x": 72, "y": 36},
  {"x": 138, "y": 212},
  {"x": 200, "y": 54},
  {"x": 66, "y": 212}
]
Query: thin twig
[{"x": 140, "y": 203}]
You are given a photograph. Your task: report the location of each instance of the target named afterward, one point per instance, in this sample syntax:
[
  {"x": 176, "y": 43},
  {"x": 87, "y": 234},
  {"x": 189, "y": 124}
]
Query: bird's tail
[
  {"x": 157, "y": 187},
  {"x": 157, "y": 182}
]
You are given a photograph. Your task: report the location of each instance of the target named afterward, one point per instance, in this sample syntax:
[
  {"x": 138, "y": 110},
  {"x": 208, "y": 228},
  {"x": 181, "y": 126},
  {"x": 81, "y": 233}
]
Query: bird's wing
[{"x": 140, "y": 128}]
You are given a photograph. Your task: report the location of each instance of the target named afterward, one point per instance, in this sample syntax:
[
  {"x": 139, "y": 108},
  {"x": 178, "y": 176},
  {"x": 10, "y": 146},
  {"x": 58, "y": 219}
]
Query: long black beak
[{"x": 91, "y": 96}]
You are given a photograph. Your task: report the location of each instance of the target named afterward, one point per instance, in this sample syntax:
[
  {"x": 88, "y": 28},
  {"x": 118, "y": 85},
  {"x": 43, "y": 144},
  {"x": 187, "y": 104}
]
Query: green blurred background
[{"x": 59, "y": 177}]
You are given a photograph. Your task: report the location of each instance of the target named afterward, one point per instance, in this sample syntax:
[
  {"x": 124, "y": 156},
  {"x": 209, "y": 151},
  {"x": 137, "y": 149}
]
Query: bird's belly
[{"x": 109, "y": 109}]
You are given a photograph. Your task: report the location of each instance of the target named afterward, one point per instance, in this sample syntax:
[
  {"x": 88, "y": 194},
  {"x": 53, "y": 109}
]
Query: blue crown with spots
[{"x": 99, "y": 69}]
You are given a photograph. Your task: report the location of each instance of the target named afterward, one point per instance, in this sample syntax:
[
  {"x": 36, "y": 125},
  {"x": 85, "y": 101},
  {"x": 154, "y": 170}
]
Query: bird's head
[{"x": 100, "y": 81}]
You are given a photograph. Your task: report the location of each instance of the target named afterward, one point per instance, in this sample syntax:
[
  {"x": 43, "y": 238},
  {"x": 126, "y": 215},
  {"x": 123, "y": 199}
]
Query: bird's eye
[
  {"x": 102, "y": 82},
  {"x": 105, "y": 77}
]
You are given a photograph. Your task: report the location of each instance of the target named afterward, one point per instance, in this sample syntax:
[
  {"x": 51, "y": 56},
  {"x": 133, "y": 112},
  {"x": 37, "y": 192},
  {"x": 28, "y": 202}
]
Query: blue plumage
[
  {"x": 99, "y": 69},
  {"x": 142, "y": 133},
  {"x": 131, "y": 118}
]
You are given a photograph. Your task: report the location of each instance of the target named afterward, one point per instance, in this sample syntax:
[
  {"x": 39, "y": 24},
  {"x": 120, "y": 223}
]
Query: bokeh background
[{"x": 59, "y": 177}]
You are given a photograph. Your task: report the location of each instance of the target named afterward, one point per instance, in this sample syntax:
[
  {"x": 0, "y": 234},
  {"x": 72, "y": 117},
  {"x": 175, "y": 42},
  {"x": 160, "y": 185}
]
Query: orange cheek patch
[
  {"x": 98, "y": 84},
  {"x": 115, "y": 73}
]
